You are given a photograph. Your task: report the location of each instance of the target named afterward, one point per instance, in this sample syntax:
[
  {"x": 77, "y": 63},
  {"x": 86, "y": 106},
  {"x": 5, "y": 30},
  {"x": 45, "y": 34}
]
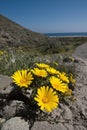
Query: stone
[
  {"x": 12, "y": 108},
  {"x": 44, "y": 125},
  {"x": 41, "y": 125},
  {"x": 68, "y": 126},
  {"x": 15, "y": 123},
  {"x": 67, "y": 113},
  {"x": 57, "y": 113},
  {"x": 59, "y": 126},
  {"x": 2, "y": 121},
  {"x": 5, "y": 85},
  {"x": 79, "y": 127}
]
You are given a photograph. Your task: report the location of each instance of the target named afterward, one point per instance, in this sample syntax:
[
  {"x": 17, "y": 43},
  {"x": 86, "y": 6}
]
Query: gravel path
[
  {"x": 81, "y": 78},
  {"x": 81, "y": 51}
]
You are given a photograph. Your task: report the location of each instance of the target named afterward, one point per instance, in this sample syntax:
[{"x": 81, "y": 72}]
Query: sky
[{"x": 47, "y": 16}]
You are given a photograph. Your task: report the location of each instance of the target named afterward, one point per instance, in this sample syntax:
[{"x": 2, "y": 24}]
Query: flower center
[
  {"x": 45, "y": 100},
  {"x": 23, "y": 81}
]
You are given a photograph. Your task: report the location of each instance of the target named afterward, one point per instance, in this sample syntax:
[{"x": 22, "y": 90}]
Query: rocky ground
[{"x": 16, "y": 112}]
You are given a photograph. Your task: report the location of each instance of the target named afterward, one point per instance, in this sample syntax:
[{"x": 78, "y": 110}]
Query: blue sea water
[{"x": 79, "y": 34}]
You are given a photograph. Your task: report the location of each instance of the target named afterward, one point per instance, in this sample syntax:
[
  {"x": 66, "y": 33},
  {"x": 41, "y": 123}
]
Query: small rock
[
  {"x": 67, "y": 113},
  {"x": 59, "y": 126},
  {"x": 5, "y": 84},
  {"x": 43, "y": 125},
  {"x": 15, "y": 123},
  {"x": 68, "y": 126},
  {"x": 79, "y": 128},
  {"x": 2, "y": 120},
  {"x": 28, "y": 93},
  {"x": 56, "y": 113},
  {"x": 11, "y": 109}
]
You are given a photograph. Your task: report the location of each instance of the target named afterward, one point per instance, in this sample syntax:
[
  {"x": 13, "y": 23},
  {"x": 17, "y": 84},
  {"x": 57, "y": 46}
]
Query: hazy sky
[{"x": 47, "y": 15}]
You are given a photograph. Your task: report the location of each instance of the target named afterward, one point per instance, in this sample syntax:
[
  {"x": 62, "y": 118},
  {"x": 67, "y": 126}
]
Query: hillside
[
  {"x": 17, "y": 37},
  {"x": 12, "y": 34}
]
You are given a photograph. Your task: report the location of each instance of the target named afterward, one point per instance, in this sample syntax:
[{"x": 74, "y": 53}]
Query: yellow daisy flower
[
  {"x": 39, "y": 72},
  {"x": 63, "y": 77},
  {"x": 72, "y": 80},
  {"x": 1, "y": 52},
  {"x": 47, "y": 98},
  {"x": 58, "y": 85},
  {"x": 68, "y": 92},
  {"x": 51, "y": 70},
  {"x": 22, "y": 78},
  {"x": 42, "y": 65}
]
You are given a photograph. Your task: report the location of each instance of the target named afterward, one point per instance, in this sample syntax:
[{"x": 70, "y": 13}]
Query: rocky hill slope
[{"x": 12, "y": 34}]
